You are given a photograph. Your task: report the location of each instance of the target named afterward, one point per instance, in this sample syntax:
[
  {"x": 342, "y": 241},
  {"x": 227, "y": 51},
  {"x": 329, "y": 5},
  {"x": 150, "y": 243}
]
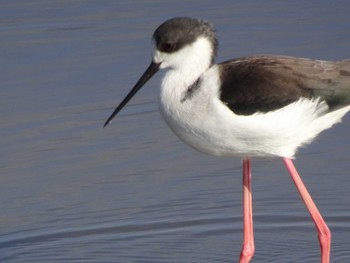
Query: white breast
[{"x": 209, "y": 126}]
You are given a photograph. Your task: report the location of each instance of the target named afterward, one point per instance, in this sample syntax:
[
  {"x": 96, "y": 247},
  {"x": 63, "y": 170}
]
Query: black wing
[{"x": 266, "y": 83}]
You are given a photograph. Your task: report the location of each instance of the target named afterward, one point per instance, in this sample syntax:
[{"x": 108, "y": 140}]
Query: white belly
[{"x": 206, "y": 124}]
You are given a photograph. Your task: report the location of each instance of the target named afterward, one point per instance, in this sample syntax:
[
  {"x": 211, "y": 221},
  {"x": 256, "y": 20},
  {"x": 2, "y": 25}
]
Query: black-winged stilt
[{"x": 258, "y": 106}]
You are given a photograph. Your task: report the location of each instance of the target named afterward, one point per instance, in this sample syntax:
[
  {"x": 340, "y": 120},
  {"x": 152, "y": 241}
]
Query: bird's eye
[{"x": 168, "y": 47}]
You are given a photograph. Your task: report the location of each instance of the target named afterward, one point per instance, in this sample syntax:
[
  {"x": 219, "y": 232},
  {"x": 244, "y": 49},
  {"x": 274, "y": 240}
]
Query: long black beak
[{"x": 150, "y": 71}]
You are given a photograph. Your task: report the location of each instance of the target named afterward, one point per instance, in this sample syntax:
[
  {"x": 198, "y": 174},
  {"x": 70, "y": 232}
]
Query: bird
[{"x": 254, "y": 106}]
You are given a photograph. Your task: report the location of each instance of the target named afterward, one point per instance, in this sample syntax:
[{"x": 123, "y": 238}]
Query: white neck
[{"x": 184, "y": 68}]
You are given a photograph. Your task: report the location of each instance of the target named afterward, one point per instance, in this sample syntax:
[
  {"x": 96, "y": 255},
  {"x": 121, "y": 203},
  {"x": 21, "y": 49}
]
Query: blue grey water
[{"x": 71, "y": 191}]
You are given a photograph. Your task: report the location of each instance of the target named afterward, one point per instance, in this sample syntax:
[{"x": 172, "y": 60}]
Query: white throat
[{"x": 184, "y": 68}]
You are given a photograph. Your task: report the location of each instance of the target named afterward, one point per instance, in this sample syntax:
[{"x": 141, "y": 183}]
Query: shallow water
[{"x": 75, "y": 192}]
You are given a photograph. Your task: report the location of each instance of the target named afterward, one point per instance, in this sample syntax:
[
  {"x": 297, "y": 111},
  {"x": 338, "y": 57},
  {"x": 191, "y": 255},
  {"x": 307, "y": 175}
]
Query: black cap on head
[{"x": 178, "y": 32}]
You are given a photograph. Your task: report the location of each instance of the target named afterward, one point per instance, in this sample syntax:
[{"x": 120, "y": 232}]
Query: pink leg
[
  {"x": 247, "y": 251},
  {"x": 324, "y": 234}
]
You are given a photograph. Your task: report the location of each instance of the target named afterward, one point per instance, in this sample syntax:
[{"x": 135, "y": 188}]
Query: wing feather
[{"x": 265, "y": 83}]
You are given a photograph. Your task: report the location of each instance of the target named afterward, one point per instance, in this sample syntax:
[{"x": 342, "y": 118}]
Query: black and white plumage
[
  {"x": 257, "y": 106},
  {"x": 262, "y": 106}
]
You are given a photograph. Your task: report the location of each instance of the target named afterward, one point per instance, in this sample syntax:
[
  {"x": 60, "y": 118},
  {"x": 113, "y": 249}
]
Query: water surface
[{"x": 72, "y": 191}]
